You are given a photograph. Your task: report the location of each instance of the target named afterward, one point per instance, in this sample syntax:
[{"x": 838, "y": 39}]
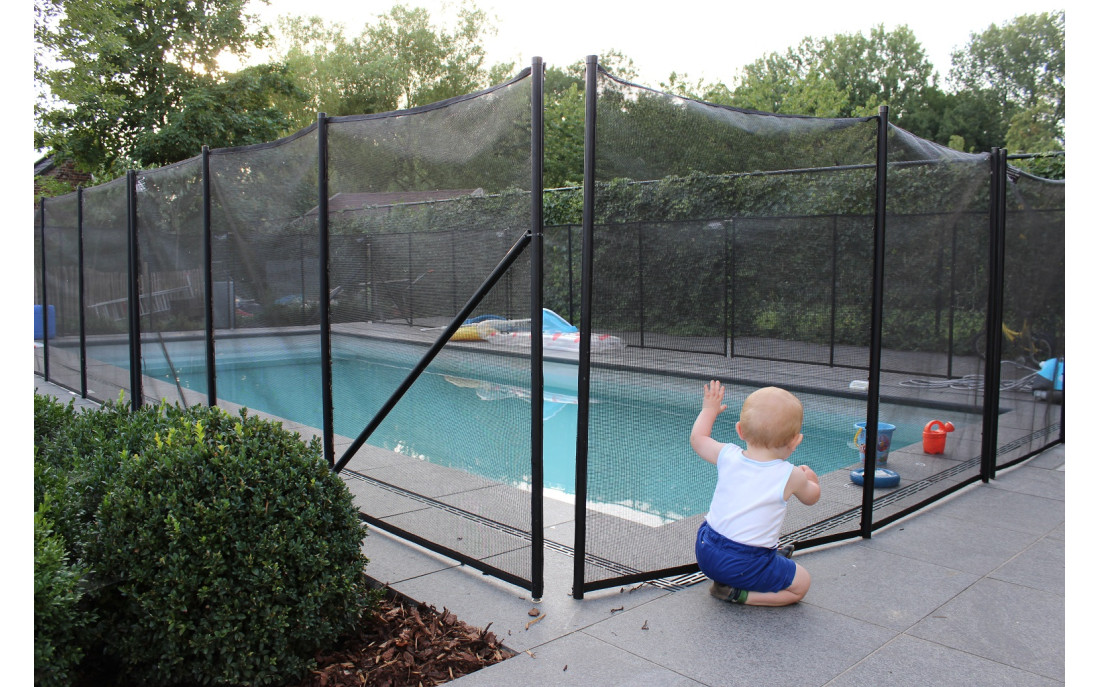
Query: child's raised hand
[{"x": 713, "y": 393}]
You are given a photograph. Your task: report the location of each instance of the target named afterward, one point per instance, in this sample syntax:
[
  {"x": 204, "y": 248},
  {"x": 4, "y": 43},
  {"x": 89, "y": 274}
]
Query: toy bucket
[{"x": 885, "y": 435}]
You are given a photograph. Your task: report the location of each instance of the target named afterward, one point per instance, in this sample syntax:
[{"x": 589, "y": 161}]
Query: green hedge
[
  {"x": 217, "y": 549},
  {"x": 59, "y": 622}
]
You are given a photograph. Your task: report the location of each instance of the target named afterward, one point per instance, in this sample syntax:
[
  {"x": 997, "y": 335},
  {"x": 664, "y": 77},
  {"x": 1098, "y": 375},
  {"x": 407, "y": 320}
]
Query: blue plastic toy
[{"x": 884, "y": 479}]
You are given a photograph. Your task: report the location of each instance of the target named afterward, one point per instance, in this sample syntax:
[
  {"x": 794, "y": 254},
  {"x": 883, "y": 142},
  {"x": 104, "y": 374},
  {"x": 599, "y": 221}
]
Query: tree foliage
[
  {"x": 1022, "y": 64},
  {"x": 402, "y": 60},
  {"x": 126, "y": 84},
  {"x": 134, "y": 83},
  {"x": 847, "y": 75}
]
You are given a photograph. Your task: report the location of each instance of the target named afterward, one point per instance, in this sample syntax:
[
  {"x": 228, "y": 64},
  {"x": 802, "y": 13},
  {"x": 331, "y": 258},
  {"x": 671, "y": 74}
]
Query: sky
[{"x": 700, "y": 38}]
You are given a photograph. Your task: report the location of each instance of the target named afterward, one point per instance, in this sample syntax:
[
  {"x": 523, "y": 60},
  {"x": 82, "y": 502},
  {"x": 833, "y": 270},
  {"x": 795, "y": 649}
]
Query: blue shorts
[{"x": 738, "y": 565}]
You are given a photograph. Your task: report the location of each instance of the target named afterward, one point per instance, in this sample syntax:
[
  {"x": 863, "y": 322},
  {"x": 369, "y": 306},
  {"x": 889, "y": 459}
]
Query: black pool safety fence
[{"x": 403, "y": 286}]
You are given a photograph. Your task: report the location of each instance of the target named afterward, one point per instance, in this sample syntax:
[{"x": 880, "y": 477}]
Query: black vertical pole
[
  {"x": 641, "y": 290},
  {"x": 584, "y": 366},
  {"x": 208, "y": 281},
  {"x": 45, "y": 299},
  {"x": 733, "y": 287},
  {"x": 832, "y": 297},
  {"x": 80, "y": 290},
  {"x": 994, "y": 314},
  {"x": 952, "y": 302},
  {"x": 877, "y": 283},
  {"x": 133, "y": 266},
  {"x": 727, "y": 321},
  {"x": 326, "y": 334},
  {"x": 537, "y": 579}
]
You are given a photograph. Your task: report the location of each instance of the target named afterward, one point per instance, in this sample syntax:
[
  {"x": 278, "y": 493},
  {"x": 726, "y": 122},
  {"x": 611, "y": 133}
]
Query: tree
[
  {"x": 122, "y": 75},
  {"x": 847, "y": 75},
  {"x": 563, "y": 117},
  {"x": 403, "y": 60},
  {"x": 1022, "y": 64}
]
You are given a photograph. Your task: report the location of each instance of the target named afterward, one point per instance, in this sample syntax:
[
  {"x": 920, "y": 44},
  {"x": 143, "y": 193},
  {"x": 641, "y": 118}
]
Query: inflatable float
[
  {"x": 558, "y": 335},
  {"x": 884, "y": 479}
]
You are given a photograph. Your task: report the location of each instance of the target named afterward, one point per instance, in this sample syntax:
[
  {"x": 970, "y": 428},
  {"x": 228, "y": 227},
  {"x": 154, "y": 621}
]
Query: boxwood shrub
[
  {"x": 59, "y": 622},
  {"x": 77, "y": 454},
  {"x": 225, "y": 550}
]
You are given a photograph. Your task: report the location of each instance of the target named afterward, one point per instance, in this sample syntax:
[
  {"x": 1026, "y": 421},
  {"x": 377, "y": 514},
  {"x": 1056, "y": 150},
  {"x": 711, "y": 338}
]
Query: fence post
[
  {"x": 208, "y": 281},
  {"x": 832, "y": 296},
  {"x": 951, "y": 303},
  {"x": 877, "y": 282},
  {"x": 584, "y": 361},
  {"x": 80, "y": 291},
  {"x": 641, "y": 288},
  {"x": 727, "y": 270},
  {"x": 133, "y": 290},
  {"x": 994, "y": 313},
  {"x": 537, "y": 580},
  {"x": 326, "y": 334},
  {"x": 45, "y": 312}
]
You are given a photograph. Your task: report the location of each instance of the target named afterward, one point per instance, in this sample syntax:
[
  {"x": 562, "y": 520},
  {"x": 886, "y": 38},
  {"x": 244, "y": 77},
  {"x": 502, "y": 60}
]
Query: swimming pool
[{"x": 472, "y": 412}]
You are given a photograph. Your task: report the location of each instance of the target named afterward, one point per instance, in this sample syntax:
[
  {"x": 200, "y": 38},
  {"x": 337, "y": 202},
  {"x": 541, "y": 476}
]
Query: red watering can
[{"x": 935, "y": 437}]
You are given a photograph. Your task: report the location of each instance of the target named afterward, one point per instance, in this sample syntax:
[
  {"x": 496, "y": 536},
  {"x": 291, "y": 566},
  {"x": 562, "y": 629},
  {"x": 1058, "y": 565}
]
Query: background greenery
[{"x": 125, "y": 84}]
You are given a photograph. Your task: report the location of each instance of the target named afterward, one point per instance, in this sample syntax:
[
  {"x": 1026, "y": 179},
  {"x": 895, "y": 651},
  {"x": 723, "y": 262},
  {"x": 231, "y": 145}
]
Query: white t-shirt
[{"x": 748, "y": 504}]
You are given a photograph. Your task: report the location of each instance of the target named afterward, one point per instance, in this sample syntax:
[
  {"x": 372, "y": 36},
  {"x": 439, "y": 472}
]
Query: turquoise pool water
[{"x": 473, "y": 413}]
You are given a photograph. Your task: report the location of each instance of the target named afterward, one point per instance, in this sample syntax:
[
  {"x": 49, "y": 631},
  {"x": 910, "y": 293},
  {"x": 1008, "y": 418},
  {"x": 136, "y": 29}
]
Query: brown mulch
[{"x": 404, "y": 643}]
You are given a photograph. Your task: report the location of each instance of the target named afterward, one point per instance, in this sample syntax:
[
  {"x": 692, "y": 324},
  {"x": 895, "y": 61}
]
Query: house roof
[{"x": 44, "y": 165}]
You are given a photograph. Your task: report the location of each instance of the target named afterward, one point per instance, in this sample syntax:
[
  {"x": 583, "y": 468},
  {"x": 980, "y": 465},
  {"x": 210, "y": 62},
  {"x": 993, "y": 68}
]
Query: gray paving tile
[
  {"x": 393, "y": 560},
  {"x": 479, "y": 600},
  {"x": 991, "y": 505},
  {"x": 576, "y": 659},
  {"x": 1041, "y": 566},
  {"x": 1053, "y": 458},
  {"x": 473, "y": 538},
  {"x": 1003, "y": 622},
  {"x": 425, "y": 478},
  {"x": 912, "y": 662},
  {"x": 718, "y": 643},
  {"x": 1058, "y": 532},
  {"x": 879, "y": 587},
  {"x": 509, "y": 505},
  {"x": 371, "y": 499},
  {"x": 976, "y": 548},
  {"x": 1025, "y": 479}
]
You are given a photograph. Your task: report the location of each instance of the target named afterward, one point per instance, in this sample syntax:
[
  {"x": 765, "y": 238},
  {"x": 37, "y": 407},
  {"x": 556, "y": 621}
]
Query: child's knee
[{"x": 801, "y": 584}]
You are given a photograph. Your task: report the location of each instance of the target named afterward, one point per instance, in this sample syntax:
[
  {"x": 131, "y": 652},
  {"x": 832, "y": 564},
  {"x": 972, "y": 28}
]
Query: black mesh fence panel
[
  {"x": 265, "y": 243},
  {"x": 172, "y": 286},
  {"x": 62, "y": 290},
  {"x": 1033, "y": 328},
  {"x": 106, "y": 297},
  {"x": 739, "y": 246},
  {"x": 935, "y": 299},
  {"x": 39, "y": 279},
  {"x": 719, "y": 253},
  {"x": 424, "y": 205}
]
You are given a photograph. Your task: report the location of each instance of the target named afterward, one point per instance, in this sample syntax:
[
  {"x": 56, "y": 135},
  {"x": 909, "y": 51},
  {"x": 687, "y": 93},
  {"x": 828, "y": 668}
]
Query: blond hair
[{"x": 771, "y": 417}]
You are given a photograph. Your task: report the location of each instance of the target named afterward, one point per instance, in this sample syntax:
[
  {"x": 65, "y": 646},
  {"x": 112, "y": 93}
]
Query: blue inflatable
[
  {"x": 1054, "y": 371},
  {"x": 884, "y": 478}
]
